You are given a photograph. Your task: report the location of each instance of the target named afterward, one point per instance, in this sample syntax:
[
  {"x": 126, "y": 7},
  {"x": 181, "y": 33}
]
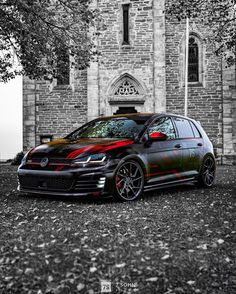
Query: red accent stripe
[
  {"x": 99, "y": 148},
  {"x": 163, "y": 173},
  {"x": 117, "y": 145},
  {"x": 77, "y": 152},
  {"x": 60, "y": 168}
]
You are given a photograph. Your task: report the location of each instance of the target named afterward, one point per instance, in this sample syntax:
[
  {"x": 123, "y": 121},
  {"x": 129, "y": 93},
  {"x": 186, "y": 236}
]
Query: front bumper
[
  {"x": 52, "y": 193},
  {"x": 65, "y": 183}
]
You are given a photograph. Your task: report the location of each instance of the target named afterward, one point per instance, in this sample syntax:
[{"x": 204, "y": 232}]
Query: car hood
[{"x": 65, "y": 148}]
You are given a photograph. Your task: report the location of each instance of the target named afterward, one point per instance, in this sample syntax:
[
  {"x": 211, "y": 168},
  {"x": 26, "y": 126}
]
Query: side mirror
[{"x": 157, "y": 136}]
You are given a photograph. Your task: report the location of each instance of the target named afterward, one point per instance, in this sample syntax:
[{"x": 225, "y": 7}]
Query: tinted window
[
  {"x": 120, "y": 127},
  {"x": 184, "y": 128},
  {"x": 163, "y": 125},
  {"x": 195, "y": 130}
]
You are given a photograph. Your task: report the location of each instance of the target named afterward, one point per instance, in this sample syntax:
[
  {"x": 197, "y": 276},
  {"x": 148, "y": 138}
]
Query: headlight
[{"x": 97, "y": 159}]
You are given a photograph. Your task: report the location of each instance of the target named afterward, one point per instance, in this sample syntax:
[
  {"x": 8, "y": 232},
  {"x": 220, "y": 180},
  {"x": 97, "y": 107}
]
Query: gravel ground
[{"x": 179, "y": 240}]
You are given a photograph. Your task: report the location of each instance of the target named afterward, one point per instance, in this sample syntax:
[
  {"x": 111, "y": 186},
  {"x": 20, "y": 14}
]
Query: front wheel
[
  {"x": 128, "y": 181},
  {"x": 207, "y": 174}
]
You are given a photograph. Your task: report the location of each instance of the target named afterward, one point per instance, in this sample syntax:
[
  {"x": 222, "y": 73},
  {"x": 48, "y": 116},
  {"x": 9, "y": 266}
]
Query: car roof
[
  {"x": 130, "y": 115},
  {"x": 148, "y": 115}
]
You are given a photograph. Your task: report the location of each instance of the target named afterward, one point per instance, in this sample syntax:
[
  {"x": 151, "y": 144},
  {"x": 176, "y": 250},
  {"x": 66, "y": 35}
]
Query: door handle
[
  {"x": 177, "y": 146},
  {"x": 199, "y": 144}
]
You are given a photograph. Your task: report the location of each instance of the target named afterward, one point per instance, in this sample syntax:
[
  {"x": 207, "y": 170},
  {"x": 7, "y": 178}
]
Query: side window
[
  {"x": 163, "y": 125},
  {"x": 195, "y": 130},
  {"x": 183, "y": 127}
]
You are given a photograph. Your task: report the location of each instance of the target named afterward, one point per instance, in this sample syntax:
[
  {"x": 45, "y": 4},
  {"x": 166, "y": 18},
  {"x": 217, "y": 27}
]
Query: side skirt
[{"x": 169, "y": 184}]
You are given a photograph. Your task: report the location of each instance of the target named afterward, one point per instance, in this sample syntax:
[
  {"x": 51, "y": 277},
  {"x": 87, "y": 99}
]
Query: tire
[
  {"x": 128, "y": 181},
  {"x": 206, "y": 177}
]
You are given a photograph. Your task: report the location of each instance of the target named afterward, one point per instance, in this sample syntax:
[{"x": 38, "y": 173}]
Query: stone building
[{"x": 141, "y": 68}]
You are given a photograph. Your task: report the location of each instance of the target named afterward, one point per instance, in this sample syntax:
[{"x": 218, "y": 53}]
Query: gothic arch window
[
  {"x": 126, "y": 89},
  {"x": 196, "y": 60},
  {"x": 193, "y": 61},
  {"x": 63, "y": 67}
]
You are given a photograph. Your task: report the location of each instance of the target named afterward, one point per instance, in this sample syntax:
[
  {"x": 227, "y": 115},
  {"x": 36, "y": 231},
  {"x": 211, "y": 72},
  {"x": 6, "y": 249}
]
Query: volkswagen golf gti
[{"x": 121, "y": 155}]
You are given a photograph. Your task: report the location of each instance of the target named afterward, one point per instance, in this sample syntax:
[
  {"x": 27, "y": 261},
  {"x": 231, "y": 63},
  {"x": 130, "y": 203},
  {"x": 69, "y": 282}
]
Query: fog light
[{"x": 101, "y": 183}]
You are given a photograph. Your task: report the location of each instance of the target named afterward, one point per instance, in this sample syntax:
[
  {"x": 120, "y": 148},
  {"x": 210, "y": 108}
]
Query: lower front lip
[{"x": 64, "y": 194}]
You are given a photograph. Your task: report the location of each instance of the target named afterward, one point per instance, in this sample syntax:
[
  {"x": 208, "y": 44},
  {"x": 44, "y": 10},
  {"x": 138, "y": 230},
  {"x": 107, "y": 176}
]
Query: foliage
[
  {"x": 219, "y": 15},
  {"x": 17, "y": 159},
  {"x": 174, "y": 241},
  {"x": 37, "y": 31}
]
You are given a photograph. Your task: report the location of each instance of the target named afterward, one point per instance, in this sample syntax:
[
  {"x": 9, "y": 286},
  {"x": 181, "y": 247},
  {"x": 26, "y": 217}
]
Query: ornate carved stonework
[{"x": 126, "y": 89}]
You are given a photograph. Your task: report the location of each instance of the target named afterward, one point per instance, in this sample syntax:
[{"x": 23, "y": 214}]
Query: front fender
[{"x": 138, "y": 158}]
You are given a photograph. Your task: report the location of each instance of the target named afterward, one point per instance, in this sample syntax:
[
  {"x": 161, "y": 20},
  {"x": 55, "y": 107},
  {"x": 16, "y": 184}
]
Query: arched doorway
[{"x": 125, "y": 109}]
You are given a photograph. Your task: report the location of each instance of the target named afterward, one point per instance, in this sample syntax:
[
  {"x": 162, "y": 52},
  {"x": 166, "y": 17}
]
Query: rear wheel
[
  {"x": 207, "y": 173},
  {"x": 129, "y": 181}
]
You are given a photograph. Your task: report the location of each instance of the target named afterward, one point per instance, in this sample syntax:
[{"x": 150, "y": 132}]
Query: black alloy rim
[
  {"x": 209, "y": 171},
  {"x": 129, "y": 180}
]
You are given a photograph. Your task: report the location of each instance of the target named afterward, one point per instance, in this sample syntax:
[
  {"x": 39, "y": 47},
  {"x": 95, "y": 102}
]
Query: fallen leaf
[
  {"x": 203, "y": 246},
  {"x": 57, "y": 260},
  {"x": 120, "y": 265},
  {"x": 152, "y": 279},
  {"x": 29, "y": 271},
  {"x": 165, "y": 257},
  {"x": 76, "y": 250},
  {"x": 191, "y": 283},
  {"x": 92, "y": 269},
  {"x": 42, "y": 245},
  {"x": 80, "y": 287},
  {"x": 220, "y": 241}
]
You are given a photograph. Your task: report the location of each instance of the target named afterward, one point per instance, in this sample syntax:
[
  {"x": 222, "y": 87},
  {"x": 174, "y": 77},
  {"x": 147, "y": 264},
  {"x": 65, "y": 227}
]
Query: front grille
[
  {"x": 34, "y": 163},
  {"x": 90, "y": 185},
  {"x": 52, "y": 160},
  {"x": 46, "y": 183}
]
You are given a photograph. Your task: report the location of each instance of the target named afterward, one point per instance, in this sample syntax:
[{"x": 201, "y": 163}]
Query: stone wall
[
  {"x": 29, "y": 123},
  {"x": 117, "y": 59},
  {"x": 153, "y": 62},
  {"x": 204, "y": 97},
  {"x": 53, "y": 110},
  {"x": 229, "y": 114}
]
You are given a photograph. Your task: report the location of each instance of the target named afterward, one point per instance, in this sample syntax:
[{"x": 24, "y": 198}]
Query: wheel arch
[
  {"x": 201, "y": 181},
  {"x": 208, "y": 154},
  {"x": 123, "y": 193},
  {"x": 136, "y": 158}
]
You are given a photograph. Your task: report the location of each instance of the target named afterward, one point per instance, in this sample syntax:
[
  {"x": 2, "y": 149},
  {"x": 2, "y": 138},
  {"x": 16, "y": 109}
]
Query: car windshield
[{"x": 120, "y": 127}]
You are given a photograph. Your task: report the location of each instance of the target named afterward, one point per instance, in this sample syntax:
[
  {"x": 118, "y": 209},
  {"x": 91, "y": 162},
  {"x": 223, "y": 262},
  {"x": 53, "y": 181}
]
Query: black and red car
[{"x": 121, "y": 155}]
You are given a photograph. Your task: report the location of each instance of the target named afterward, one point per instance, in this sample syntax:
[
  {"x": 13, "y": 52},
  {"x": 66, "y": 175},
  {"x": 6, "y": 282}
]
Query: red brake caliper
[{"x": 119, "y": 183}]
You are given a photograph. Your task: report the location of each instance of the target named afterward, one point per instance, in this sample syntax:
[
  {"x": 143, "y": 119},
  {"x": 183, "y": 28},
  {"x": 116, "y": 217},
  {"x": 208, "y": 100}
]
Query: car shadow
[
  {"x": 99, "y": 200},
  {"x": 71, "y": 199},
  {"x": 183, "y": 188}
]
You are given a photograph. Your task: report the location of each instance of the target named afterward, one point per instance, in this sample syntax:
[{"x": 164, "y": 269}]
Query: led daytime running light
[{"x": 91, "y": 161}]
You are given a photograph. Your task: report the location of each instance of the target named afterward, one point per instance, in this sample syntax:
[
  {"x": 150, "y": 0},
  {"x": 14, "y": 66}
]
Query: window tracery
[{"x": 126, "y": 88}]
